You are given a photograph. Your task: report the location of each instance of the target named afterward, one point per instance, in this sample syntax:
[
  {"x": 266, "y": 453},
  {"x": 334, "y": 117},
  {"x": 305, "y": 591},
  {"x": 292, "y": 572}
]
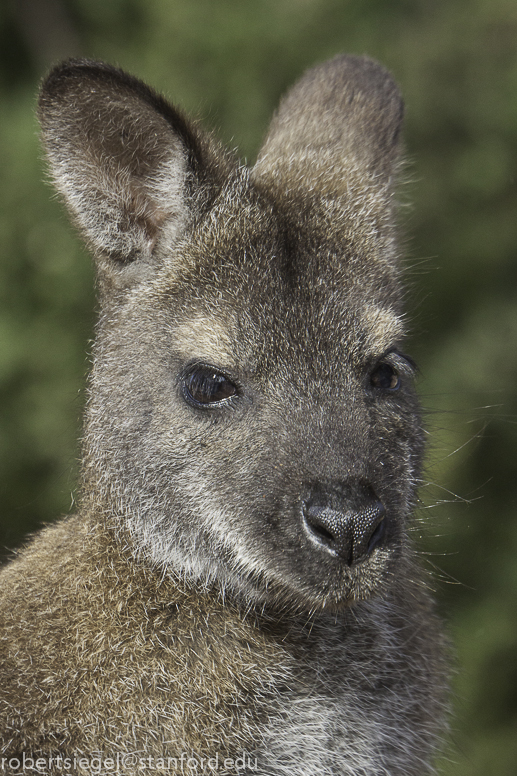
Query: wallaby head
[{"x": 251, "y": 417}]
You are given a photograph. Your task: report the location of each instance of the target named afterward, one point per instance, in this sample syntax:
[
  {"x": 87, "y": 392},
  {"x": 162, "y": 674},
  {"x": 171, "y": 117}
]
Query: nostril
[
  {"x": 329, "y": 528},
  {"x": 369, "y": 529},
  {"x": 377, "y": 535},
  {"x": 321, "y": 533}
]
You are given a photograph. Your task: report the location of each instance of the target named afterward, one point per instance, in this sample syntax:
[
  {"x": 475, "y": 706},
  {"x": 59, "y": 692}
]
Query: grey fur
[{"x": 239, "y": 577}]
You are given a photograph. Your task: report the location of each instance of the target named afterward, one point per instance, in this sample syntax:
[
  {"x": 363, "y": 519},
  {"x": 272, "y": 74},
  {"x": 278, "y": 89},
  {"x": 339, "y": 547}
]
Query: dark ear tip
[
  {"x": 70, "y": 69},
  {"x": 62, "y": 76}
]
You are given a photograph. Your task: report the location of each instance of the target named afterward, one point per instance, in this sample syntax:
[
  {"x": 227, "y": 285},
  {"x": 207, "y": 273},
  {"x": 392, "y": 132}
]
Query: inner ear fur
[
  {"x": 126, "y": 163},
  {"x": 336, "y": 132}
]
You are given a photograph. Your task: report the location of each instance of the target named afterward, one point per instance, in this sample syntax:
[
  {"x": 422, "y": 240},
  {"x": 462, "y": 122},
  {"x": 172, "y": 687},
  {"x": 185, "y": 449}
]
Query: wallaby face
[
  {"x": 240, "y": 574},
  {"x": 251, "y": 417}
]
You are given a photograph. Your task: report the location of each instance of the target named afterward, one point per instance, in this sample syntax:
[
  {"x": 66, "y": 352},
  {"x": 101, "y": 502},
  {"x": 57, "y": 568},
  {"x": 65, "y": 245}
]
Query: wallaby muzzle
[{"x": 347, "y": 520}]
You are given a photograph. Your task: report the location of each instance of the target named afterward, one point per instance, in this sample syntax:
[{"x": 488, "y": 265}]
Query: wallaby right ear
[
  {"x": 336, "y": 134},
  {"x": 126, "y": 163}
]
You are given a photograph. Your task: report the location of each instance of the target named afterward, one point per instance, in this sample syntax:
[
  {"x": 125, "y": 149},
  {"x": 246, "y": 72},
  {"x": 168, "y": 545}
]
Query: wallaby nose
[{"x": 347, "y": 522}]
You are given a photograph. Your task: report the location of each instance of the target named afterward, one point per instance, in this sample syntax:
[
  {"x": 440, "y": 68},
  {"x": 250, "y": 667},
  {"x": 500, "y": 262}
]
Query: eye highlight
[
  {"x": 388, "y": 373},
  {"x": 385, "y": 377},
  {"x": 205, "y": 386}
]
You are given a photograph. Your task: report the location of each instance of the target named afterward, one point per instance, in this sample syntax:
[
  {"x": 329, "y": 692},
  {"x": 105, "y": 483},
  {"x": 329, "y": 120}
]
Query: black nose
[{"x": 348, "y": 521}]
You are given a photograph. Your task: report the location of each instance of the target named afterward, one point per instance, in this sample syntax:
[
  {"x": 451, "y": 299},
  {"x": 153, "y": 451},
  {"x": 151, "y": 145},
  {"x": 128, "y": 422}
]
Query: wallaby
[{"x": 239, "y": 592}]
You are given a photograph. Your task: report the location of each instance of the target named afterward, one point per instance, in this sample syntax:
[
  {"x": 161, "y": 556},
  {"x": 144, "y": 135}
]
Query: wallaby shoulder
[
  {"x": 122, "y": 643},
  {"x": 117, "y": 642}
]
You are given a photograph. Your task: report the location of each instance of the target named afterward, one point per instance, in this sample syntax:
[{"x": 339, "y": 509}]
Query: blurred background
[{"x": 227, "y": 62}]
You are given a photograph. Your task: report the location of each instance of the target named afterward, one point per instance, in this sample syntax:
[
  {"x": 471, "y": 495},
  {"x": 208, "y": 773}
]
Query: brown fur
[{"x": 239, "y": 580}]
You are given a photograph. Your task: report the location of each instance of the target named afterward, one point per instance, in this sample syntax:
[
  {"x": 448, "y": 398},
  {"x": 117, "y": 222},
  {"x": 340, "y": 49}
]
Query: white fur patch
[
  {"x": 206, "y": 338},
  {"x": 383, "y": 328}
]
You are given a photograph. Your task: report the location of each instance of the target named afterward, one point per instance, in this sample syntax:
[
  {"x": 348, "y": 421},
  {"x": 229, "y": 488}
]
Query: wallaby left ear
[
  {"x": 335, "y": 133},
  {"x": 127, "y": 164}
]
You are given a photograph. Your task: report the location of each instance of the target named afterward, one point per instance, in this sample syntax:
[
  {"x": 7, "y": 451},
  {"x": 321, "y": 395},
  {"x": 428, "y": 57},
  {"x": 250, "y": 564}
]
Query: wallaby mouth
[{"x": 348, "y": 521}]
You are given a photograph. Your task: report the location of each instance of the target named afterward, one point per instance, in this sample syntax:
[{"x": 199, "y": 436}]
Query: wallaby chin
[
  {"x": 329, "y": 585},
  {"x": 239, "y": 582}
]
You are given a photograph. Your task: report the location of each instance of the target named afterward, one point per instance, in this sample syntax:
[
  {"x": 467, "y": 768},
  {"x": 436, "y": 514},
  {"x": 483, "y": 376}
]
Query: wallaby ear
[
  {"x": 126, "y": 163},
  {"x": 335, "y": 131}
]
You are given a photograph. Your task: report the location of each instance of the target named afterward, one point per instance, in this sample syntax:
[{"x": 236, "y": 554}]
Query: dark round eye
[
  {"x": 204, "y": 385},
  {"x": 385, "y": 377}
]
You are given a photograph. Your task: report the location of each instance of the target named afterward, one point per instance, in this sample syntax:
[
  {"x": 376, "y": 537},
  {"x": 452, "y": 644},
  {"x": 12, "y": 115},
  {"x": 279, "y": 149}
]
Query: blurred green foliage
[{"x": 227, "y": 62}]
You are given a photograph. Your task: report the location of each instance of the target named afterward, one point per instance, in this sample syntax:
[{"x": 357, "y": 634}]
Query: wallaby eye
[
  {"x": 385, "y": 377},
  {"x": 205, "y": 385}
]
